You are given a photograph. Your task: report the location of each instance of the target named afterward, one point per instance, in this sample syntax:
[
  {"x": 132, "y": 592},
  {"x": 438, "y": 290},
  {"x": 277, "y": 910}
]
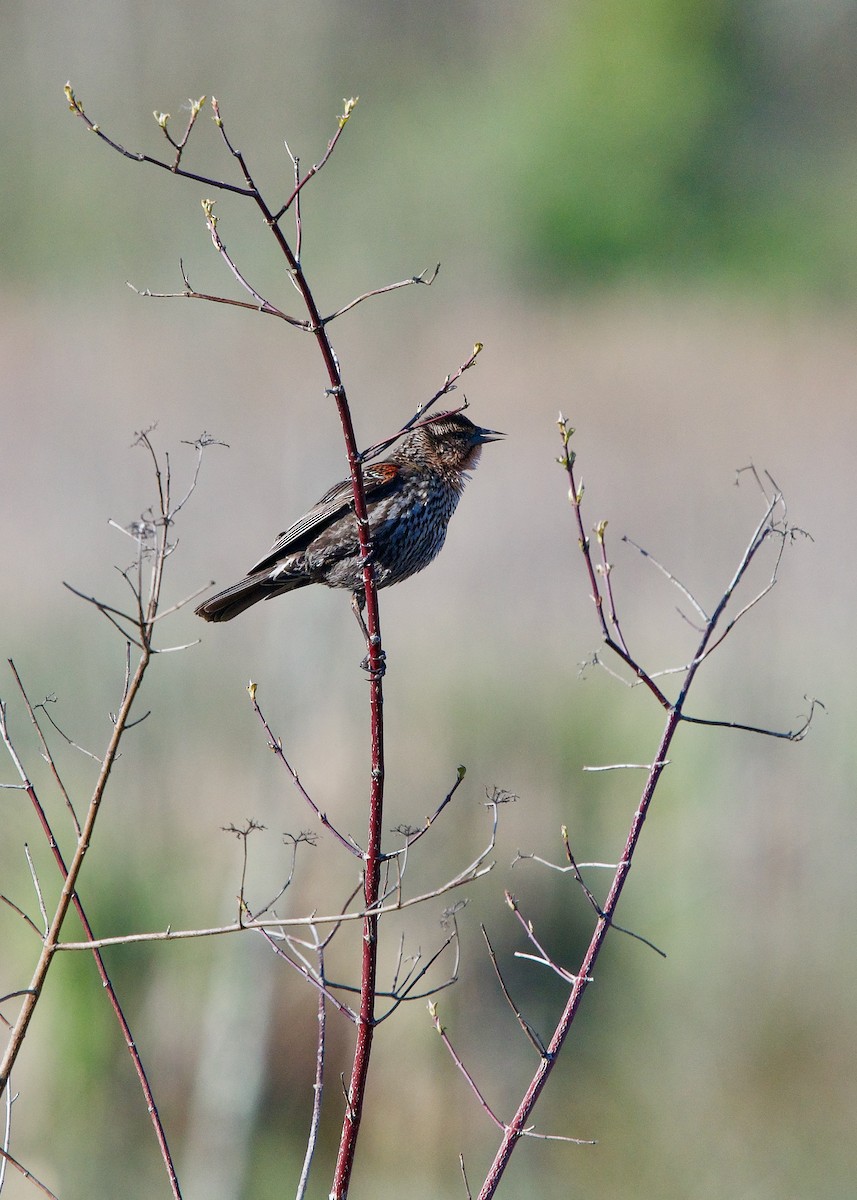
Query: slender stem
[
  {"x": 121, "y": 722},
  {"x": 19, "y": 1029},
  {"x": 519, "y": 1122},
  {"x": 375, "y": 660},
  {"x": 317, "y": 1087},
  {"x": 517, "y": 1127},
  {"x": 107, "y": 983}
]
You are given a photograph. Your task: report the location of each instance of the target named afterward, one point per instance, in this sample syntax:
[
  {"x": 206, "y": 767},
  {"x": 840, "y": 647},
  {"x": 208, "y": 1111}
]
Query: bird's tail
[{"x": 248, "y": 591}]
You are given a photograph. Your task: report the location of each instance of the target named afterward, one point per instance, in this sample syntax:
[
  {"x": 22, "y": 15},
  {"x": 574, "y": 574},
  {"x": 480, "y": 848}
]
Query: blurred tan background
[{"x": 648, "y": 217}]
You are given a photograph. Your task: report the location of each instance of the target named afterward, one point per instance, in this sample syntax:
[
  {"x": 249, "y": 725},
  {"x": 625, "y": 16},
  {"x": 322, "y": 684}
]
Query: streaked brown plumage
[{"x": 410, "y": 498}]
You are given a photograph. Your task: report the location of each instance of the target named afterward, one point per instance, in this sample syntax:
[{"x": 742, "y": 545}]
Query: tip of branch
[
  {"x": 74, "y": 105},
  {"x": 349, "y": 106}
]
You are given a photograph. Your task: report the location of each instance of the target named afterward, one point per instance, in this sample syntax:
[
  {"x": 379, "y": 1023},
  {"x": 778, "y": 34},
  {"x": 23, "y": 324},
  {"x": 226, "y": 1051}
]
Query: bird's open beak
[{"x": 489, "y": 435}]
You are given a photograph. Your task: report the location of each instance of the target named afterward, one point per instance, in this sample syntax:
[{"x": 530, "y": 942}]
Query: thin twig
[
  {"x": 606, "y": 573},
  {"x": 318, "y": 1083},
  {"x": 40, "y": 933},
  {"x": 348, "y": 109},
  {"x": 624, "y": 767},
  {"x": 38, "y": 890},
  {"x": 518, "y": 1125},
  {"x": 427, "y": 277},
  {"x": 76, "y": 107},
  {"x": 259, "y": 302},
  {"x": 686, "y": 592},
  {"x": 28, "y": 1175},
  {"x": 69, "y": 742},
  {"x": 530, "y": 1033},
  {"x": 49, "y": 759},
  {"x": 419, "y": 416},
  {"x": 444, "y": 1037},
  {"x": 543, "y": 957},
  {"x": 413, "y": 835},
  {"x": 276, "y": 745}
]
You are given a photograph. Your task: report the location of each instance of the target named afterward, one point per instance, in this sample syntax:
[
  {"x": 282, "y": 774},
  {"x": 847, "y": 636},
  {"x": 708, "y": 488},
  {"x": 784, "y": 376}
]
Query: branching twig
[
  {"x": 542, "y": 956},
  {"x": 152, "y": 540},
  {"x": 711, "y": 634},
  {"x": 530, "y": 1033},
  {"x": 69, "y": 897},
  {"x": 426, "y": 277},
  {"x": 275, "y": 744},
  {"x": 479, "y": 867},
  {"x": 419, "y": 416}
]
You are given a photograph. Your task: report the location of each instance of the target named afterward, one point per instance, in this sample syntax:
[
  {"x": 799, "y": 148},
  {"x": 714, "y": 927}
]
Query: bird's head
[{"x": 450, "y": 443}]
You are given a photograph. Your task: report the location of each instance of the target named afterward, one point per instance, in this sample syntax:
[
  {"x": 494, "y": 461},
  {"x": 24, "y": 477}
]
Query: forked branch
[{"x": 772, "y": 525}]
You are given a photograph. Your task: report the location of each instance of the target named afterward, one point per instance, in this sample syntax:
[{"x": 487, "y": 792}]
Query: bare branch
[
  {"x": 427, "y": 277},
  {"x": 605, "y": 569},
  {"x": 275, "y": 744},
  {"x": 474, "y": 871},
  {"x": 444, "y": 1037},
  {"x": 40, "y": 933},
  {"x": 37, "y": 887},
  {"x": 76, "y": 107},
  {"x": 318, "y": 1085},
  {"x": 106, "y": 610},
  {"x": 626, "y": 766},
  {"x": 260, "y": 303},
  {"x": 348, "y": 109},
  {"x": 530, "y": 1033},
  {"x": 416, "y": 419},
  {"x": 69, "y": 742},
  {"x": 413, "y": 835},
  {"x": 49, "y": 759},
  {"x": 703, "y": 615},
  {"x": 542, "y": 957},
  {"x": 788, "y": 735},
  {"x": 28, "y": 1175}
]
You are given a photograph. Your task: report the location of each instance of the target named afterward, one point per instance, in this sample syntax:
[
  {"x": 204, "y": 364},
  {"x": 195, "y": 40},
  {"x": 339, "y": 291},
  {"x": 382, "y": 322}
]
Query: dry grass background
[{"x": 729, "y": 1067}]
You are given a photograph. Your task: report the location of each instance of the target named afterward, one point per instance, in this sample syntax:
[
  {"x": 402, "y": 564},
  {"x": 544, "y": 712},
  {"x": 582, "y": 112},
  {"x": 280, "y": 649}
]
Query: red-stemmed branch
[
  {"x": 773, "y": 525},
  {"x": 152, "y": 539},
  {"x": 316, "y": 325},
  {"x": 44, "y": 962}
]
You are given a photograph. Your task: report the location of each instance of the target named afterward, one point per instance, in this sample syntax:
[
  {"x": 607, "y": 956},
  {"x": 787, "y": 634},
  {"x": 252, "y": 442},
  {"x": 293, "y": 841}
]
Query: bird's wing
[{"x": 377, "y": 480}]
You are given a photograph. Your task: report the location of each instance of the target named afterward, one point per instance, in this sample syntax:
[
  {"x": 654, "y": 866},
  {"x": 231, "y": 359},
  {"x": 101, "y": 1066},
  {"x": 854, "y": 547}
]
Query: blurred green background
[{"x": 646, "y": 213}]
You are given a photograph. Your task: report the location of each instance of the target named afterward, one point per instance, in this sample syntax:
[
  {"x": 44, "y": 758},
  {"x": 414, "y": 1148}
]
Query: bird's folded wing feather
[{"x": 377, "y": 479}]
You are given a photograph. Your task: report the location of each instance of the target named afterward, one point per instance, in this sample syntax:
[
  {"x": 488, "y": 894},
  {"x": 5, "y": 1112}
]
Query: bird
[{"x": 410, "y": 498}]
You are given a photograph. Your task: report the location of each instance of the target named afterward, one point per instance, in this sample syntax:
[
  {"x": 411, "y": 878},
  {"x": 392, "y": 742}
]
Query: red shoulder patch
[{"x": 380, "y": 473}]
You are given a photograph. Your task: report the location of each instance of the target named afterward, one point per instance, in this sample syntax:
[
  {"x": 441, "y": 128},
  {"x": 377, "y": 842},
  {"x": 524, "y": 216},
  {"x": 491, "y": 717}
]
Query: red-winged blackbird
[{"x": 410, "y": 498}]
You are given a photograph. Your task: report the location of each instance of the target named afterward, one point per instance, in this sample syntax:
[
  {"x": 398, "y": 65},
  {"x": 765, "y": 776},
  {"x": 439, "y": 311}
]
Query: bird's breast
[{"x": 409, "y": 527}]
